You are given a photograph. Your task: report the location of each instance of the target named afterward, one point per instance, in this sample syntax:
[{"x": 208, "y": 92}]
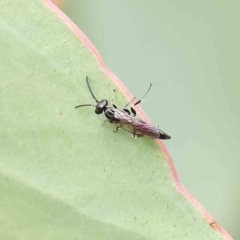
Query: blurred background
[{"x": 190, "y": 50}]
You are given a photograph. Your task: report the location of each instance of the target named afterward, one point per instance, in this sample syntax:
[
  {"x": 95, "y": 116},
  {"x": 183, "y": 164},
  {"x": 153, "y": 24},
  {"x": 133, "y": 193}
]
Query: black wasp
[{"x": 125, "y": 118}]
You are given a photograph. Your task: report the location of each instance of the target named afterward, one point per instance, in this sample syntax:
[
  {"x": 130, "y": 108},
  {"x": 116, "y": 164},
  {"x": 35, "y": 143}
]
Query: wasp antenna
[
  {"x": 136, "y": 103},
  {"x": 129, "y": 102},
  {"x": 85, "y": 105},
  {"x": 90, "y": 90}
]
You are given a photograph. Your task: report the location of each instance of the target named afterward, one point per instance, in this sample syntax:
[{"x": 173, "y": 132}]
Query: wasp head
[{"x": 101, "y": 106}]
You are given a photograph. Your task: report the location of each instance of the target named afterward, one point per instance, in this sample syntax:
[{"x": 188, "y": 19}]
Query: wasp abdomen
[{"x": 164, "y": 136}]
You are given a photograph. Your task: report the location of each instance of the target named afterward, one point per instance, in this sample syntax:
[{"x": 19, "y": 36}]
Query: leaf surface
[{"x": 63, "y": 174}]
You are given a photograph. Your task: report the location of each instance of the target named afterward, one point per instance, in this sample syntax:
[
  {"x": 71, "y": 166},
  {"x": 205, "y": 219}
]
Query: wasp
[{"x": 125, "y": 118}]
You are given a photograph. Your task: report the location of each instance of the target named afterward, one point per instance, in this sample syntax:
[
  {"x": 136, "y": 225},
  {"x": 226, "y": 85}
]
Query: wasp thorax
[{"x": 101, "y": 106}]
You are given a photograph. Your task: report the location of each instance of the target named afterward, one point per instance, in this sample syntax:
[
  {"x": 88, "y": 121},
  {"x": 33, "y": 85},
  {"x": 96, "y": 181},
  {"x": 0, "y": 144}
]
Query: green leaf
[{"x": 63, "y": 174}]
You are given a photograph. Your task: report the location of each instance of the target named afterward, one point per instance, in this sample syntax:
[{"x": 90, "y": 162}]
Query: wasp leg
[
  {"x": 112, "y": 99},
  {"x": 136, "y": 135},
  {"x": 129, "y": 102},
  {"x": 117, "y": 127},
  {"x": 127, "y": 111},
  {"x": 104, "y": 121},
  {"x": 137, "y": 102},
  {"x": 116, "y": 130},
  {"x": 140, "y": 100},
  {"x": 134, "y": 113}
]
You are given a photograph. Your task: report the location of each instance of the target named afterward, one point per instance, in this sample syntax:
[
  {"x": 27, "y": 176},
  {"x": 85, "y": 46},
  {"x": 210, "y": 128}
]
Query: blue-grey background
[{"x": 190, "y": 50}]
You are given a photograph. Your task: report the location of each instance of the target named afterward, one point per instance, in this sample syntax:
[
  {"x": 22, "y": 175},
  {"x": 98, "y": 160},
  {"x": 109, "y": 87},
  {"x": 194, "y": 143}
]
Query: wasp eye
[{"x": 98, "y": 110}]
